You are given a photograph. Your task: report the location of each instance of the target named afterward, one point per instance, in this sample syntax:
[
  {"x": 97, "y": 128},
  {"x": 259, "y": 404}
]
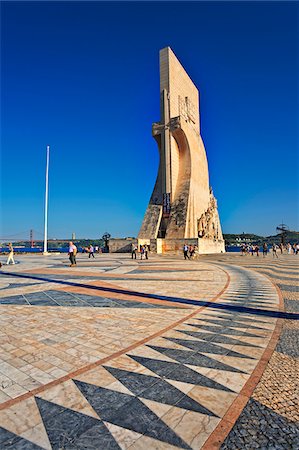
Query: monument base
[
  {"x": 175, "y": 246},
  {"x": 121, "y": 245}
]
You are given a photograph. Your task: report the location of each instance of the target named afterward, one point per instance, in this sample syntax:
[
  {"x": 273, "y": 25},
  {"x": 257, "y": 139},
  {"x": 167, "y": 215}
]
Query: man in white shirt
[
  {"x": 72, "y": 253},
  {"x": 91, "y": 251}
]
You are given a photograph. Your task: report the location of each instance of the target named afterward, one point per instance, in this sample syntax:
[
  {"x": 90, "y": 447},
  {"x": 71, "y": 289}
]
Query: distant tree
[{"x": 106, "y": 236}]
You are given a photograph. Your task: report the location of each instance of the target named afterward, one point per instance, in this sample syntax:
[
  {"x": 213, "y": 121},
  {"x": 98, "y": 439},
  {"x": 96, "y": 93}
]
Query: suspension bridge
[{"x": 31, "y": 237}]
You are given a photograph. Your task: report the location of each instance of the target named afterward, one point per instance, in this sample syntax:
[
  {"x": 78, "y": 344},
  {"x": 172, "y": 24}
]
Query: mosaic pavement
[{"x": 157, "y": 354}]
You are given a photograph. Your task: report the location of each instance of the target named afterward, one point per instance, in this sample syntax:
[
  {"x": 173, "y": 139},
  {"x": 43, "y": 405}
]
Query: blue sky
[{"x": 84, "y": 78}]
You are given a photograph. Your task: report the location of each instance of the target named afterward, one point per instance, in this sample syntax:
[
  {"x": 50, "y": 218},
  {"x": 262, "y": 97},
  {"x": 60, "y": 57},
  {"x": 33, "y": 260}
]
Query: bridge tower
[{"x": 31, "y": 239}]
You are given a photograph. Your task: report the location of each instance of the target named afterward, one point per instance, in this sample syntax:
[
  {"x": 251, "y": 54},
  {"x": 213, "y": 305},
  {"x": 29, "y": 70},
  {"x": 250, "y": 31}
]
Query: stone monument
[{"x": 182, "y": 208}]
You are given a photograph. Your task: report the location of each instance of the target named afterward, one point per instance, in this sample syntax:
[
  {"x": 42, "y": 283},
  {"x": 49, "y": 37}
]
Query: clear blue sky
[{"x": 84, "y": 78}]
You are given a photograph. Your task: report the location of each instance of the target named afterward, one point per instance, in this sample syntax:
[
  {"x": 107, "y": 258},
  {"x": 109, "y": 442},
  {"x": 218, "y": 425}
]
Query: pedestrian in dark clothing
[
  {"x": 185, "y": 250},
  {"x": 146, "y": 251},
  {"x": 91, "y": 251}
]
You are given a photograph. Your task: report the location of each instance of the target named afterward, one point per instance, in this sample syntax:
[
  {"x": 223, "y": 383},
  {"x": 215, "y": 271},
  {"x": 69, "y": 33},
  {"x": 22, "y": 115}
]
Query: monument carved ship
[{"x": 182, "y": 208}]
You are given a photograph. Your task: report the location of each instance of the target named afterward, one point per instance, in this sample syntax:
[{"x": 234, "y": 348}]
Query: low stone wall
[
  {"x": 175, "y": 246},
  {"x": 206, "y": 246},
  {"x": 121, "y": 245}
]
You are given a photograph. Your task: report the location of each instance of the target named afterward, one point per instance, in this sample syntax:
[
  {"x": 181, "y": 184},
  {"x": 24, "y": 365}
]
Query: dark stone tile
[
  {"x": 135, "y": 382},
  {"x": 68, "y": 429},
  {"x": 102, "y": 400},
  {"x": 13, "y": 300},
  {"x": 228, "y": 316},
  {"x": 10, "y": 441},
  {"x": 71, "y": 303},
  {"x": 137, "y": 417},
  {"x": 44, "y": 302},
  {"x": 164, "y": 392},
  {"x": 102, "y": 303},
  {"x": 37, "y": 296},
  {"x": 220, "y": 339},
  {"x": 207, "y": 347},
  {"x": 220, "y": 330},
  {"x": 154, "y": 388},
  {"x": 193, "y": 358},
  {"x": 228, "y": 323},
  {"x": 128, "y": 412},
  {"x": 178, "y": 372},
  {"x": 60, "y": 295},
  {"x": 288, "y": 287}
]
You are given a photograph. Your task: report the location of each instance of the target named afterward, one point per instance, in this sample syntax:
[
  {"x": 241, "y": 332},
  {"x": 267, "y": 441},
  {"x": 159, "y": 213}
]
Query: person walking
[
  {"x": 274, "y": 250},
  {"x": 265, "y": 249},
  {"x": 91, "y": 251},
  {"x": 10, "y": 255},
  {"x": 141, "y": 251},
  {"x": 185, "y": 250},
  {"x": 191, "y": 251},
  {"x": 72, "y": 254},
  {"x": 146, "y": 251},
  {"x": 134, "y": 251}
]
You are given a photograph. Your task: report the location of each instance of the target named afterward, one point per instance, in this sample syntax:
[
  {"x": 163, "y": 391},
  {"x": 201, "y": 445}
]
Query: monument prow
[{"x": 182, "y": 206}]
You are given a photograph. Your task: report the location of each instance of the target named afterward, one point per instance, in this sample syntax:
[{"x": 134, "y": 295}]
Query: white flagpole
[{"x": 46, "y": 203}]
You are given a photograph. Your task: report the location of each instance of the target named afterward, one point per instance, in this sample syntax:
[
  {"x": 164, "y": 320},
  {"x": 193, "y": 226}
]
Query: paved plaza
[{"x": 154, "y": 354}]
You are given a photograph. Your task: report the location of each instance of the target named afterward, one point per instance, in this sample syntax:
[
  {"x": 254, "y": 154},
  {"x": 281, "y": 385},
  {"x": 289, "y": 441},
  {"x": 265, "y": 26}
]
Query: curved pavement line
[
  {"x": 226, "y": 424},
  {"x": 84, "y": 369}
]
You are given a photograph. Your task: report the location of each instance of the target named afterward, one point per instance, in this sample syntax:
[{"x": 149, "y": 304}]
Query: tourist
[
  {"x": 257, "y": 249},
  {"x": 146, "y": 251},
  {"x": 243, "y": 249},
  {"x": 252, "y": 250},
  {"x": 191, "y": 251},
  {"x": 90, "y": 251},
  {"x": 96, "y": 249},
  {"x": 134, "y": 251},
  {"x": 274, "y": 250},
  {"x": 10, "y": 255},
  {"x": 142, "y": 251},
  {"x": 265, "y": 249},
  {"x": 185, "y": 250},
  {"x": 289, "y": 248},
  {"x": 72, "y": 254},
  {"x": 297, "y": 249}
]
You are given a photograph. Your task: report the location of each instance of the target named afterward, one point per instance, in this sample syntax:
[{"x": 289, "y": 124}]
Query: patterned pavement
[{"x": 158, "y": 354}]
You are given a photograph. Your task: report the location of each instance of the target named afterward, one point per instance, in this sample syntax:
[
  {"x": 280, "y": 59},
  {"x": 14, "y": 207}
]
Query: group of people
[
  {"x": 189, "y": 251},
  {"x": 143, "y": 250},
  {"x": 91, "y": 250},
  {"x": 255, "y": 249},
  {"x": 73, "y": 250}
]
